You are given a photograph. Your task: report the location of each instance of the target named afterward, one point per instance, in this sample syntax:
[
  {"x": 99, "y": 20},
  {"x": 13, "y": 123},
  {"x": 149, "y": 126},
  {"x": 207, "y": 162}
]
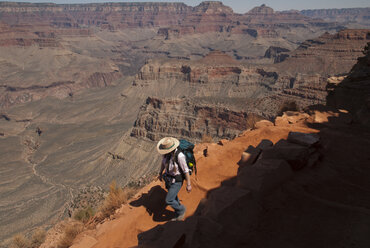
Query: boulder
[
  {"x": 263, "y": 123},
  {"x": 296, "y": 155},
  {"x": 314, "y": 158},
  {"x": 264, "y": 175},
  {"x": 234, "y": 208},
  {"x": 200, "y": 232},
  {"x": 281, "y": 121},
  {"x": 220, "y": 199},
  {"x": 306, "y": 139},
  {"x": 322, "y": 117},
  {"x": 295, "y": 117},
  {"x": 265, "y": 144},
  {"x": 249, "y": 156}
]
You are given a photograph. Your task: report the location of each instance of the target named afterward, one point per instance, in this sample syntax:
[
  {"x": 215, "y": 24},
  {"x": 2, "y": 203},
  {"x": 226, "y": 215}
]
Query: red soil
[{"x": 147, "y": 210}]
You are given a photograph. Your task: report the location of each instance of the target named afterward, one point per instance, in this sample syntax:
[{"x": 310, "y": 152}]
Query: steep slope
[
  {"x": 147, "y": 210},
  {"x": 329, "y": 54},
  {"x": 353, "y": 92},
  {"x": 289, "y": 205}
]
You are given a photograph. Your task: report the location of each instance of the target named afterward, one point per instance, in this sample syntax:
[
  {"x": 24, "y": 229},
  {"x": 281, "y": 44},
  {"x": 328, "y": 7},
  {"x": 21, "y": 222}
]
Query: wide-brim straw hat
[{"x": 167, "y": 145}]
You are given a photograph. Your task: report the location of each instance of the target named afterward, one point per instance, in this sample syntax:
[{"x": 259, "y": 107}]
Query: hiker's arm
[
  {"x": 188, "y": 183},
  {"x": 161, "y": 171},
  {"x": 185, "y": 170}
]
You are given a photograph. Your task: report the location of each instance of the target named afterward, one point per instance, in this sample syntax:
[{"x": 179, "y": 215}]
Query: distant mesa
[
  {"x": 263, "y": 9},
  {"x": 212, "y": 7}
]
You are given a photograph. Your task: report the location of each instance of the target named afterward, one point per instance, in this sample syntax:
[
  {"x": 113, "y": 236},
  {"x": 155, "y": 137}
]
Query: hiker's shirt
[{"x": 172, "y": 168}]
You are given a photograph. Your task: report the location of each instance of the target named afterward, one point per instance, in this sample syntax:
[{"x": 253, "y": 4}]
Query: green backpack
[{"x": 187, "y": 148}]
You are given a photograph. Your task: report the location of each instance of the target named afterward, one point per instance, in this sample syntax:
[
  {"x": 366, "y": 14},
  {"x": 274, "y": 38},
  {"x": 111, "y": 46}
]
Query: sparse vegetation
[
  {"x": 206, "y": 138},
  {"x": 37, "y": 238},
  {"x": 20, "y": 241},
  {"x": 84, "y": 215},
  {"x": 288, "y": 106},
  {"x": 70, "y": 232},
  {"x": 116, "y": 197}
]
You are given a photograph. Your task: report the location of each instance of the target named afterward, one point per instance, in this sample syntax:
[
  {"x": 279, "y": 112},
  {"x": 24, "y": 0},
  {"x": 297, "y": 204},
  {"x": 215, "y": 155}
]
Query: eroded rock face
[
  {"x": 330, "y": 54},
  {"x": 10, "y": 96},
  {"x": 209, "y": 16},
  {"x": 353, "y": 92},
  {"x": 184, "y": 118}
]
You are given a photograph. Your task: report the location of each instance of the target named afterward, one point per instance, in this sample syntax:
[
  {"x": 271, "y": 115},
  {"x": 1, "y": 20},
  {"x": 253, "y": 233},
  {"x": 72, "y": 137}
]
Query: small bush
[
  {"x": 84, "y": 215},
  {"x": 206, "y": 138},
  {"x": 116, "y": 197},
  {"x": 20, "y": 241},
  {"x": 37, "y": 238},
  {"x": 70, "y": 233},
  {"x": 288, "y": 106}
]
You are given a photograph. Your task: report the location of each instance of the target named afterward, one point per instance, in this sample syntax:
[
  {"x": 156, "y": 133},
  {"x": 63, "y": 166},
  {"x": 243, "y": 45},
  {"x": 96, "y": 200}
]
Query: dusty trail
[{"x": 147, "y": 210}]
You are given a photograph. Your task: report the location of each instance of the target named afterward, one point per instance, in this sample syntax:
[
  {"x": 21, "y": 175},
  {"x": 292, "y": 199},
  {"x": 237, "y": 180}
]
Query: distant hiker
[{"x": 175, "y": 171}]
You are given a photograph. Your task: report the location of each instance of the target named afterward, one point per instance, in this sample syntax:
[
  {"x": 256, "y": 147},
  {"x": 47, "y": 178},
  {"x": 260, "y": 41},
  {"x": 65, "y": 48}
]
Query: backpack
[{"x": 187, "y": 149}]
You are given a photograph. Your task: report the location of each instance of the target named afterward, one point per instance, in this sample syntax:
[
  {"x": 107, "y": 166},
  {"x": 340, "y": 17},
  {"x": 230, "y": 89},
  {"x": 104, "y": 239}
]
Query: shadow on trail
[{"x": 154, "y": 202}]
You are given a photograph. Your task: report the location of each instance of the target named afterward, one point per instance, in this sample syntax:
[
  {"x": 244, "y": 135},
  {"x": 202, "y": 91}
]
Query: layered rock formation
[
  {"x": 329, "y": 54},
  {"x": 207, "y": 16},
  {"x": 352, "y": 16},
  {"x": 182, "y": 118}
]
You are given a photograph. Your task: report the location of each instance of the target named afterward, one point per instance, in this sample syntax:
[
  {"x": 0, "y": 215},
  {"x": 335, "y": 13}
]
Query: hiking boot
[{"x": 180, "y": 217}]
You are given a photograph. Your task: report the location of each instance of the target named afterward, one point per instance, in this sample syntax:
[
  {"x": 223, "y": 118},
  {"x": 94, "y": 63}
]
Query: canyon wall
[
  {"x": 351, "y": 16},
  {"x": 329, "y": 54},
  {"x": 183, "y": 118}
]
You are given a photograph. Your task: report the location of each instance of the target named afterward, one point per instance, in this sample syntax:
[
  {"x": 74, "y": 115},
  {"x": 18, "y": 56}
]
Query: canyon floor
[{"x": 324, "y": 205}]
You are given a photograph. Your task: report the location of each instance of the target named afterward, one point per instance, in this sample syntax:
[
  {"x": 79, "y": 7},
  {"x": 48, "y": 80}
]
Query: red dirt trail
[{"x": 147, "y": 209}]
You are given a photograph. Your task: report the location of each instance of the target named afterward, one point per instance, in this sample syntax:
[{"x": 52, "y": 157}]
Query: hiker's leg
[
  {"x": 173, "y": 200},
  {"x": 178, "y": 200}
]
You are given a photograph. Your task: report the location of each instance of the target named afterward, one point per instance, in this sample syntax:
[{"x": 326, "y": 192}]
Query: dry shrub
[
  {"x": 116, "y": 197},
  {"x": 252, "y": 119},
  {"x": 288, "y": 106},
  {"x": 70, "y": 232},
  {"x": 84, "y": 215},
  {"x": 130, "y": 192},
  {"x": 37, "y": 238},
  {"x": 20, "y": 241},
  {"x": 206, "y": 138}
]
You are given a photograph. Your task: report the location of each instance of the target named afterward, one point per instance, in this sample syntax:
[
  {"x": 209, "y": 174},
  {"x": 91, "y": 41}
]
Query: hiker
[{"x": 174, "y": 173}]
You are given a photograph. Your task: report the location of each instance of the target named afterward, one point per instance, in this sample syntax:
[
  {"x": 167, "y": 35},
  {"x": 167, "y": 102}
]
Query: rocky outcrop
[
  {"x": 34, "y": 33},
  {"x": 277, "y": 54},
  {"x": 216, "y": 76},
  {"x": 330, "y": 54},
  {"x": 183, "y": 118},
  {"x": 10, "y": 95},
  {"x": 352, "y": 93}
]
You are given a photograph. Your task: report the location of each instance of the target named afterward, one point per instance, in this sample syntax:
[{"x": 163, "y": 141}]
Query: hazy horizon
[{"x": 241, "y": 6}]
